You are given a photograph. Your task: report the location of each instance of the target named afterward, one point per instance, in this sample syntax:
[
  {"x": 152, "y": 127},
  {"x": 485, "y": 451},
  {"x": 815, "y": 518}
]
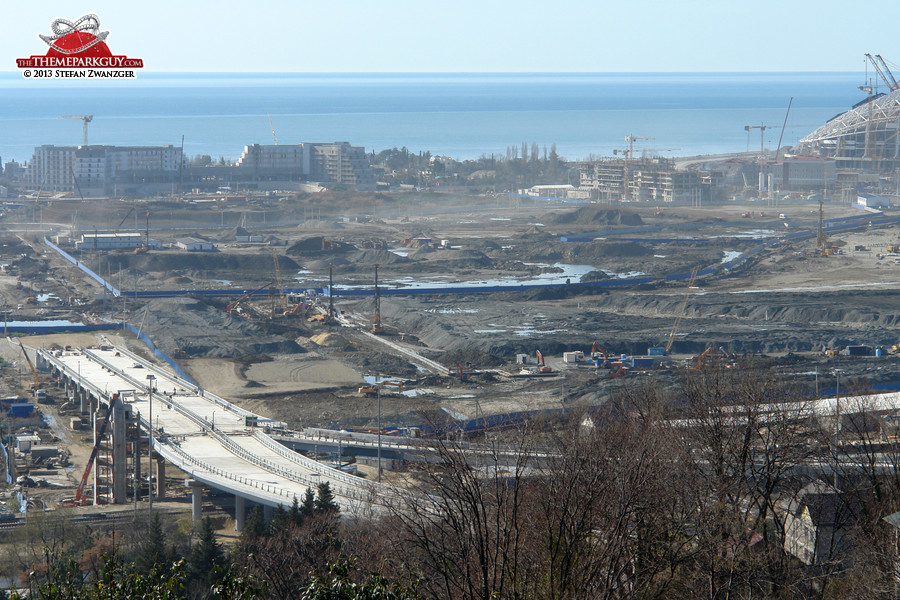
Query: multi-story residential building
[
  {"x": 336, "y": 162},
  {"x": 94, "y": 170},
  {"x": 115, "y": 170}
]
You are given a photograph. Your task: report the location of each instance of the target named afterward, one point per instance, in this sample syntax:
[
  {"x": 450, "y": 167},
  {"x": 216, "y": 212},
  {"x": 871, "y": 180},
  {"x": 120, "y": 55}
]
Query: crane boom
[
  {"x": 37, "y": 379},
  {"x": 882, "y": 69},
  {"x": 890, "y": 76},
  {"x": 681, "y": 312},
  {"x": 272, "y": 127},
  {"x": 119, "y": 226},
  {"x": 86, "y": 118},
  {"x": 231, "y": 307},
  {"x": 79, "y": 493},
  {"x": 278, "y": 281}
]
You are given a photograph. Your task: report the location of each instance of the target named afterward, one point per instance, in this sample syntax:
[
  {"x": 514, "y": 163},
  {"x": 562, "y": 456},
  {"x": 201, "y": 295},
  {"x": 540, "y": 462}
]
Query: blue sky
[{"x": 472, "y": 35}]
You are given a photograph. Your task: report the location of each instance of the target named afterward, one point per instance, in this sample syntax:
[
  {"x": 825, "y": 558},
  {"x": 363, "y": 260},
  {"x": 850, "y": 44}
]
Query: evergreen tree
[
  {"x": 280, "y": 520},
  {"x": 325, "y": 499},
  {"x": 206, "y": 557},
  {"x": 309, "y": 503},
  {"x": 254, "y": 530},
  {"x": 295, "y": 514},
  {"x": 153, "y": 549}
]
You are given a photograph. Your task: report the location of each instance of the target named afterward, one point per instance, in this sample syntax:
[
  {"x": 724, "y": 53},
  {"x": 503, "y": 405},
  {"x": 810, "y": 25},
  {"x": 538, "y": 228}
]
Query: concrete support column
[
  {"x": 119, "y": 476},
  {"x": 268, "y": 514},
  {"x": 240, "y": 512},
  {"x": 196, "y": 498},
  {"x": 96, "y": 468},
  {"x": 160, "y": 477}
]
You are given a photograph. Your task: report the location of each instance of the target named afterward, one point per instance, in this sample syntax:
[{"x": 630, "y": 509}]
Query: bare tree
[{"x": 463, "y": 525}]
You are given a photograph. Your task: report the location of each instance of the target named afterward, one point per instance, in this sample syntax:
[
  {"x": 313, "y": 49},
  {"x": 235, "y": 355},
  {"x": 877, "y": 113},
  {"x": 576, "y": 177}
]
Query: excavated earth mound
[
  {"x": 594, "y": 215},
  {"x": 190, "y": 327}
]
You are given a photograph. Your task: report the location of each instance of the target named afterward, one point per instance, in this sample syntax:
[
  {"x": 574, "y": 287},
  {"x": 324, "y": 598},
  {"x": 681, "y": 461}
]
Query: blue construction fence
[
  {"x": 41, "y": 328},
  {"x": 831, "y": 225},
  {"x": 159, "y": 353},
  {"x": 81, "y": 266}
]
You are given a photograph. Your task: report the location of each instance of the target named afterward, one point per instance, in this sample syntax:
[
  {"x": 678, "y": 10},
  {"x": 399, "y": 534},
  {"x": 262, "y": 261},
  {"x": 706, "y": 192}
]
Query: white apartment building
[{"x": 92, "y": 169}]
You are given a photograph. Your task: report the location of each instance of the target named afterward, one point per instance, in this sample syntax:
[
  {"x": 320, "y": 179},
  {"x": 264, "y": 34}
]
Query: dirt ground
[{"x": 785, "y": 302}]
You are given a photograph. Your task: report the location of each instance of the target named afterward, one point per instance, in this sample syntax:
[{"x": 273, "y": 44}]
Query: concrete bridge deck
[{"x": 217, "y": 443}]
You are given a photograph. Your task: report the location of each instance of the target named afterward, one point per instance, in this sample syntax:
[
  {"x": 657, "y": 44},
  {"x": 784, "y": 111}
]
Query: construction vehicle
[
  {"x": 37, "y": 380},
  {"x": 600, "y": 356},
  {"x": 31, "y": 298},
  {"x": 79, "y": 499},
  {"x": 301, "y": 306},
  {"x": 542, "y": 367},
  {"x": 700, "y": 359},
  {"x": 234, "y": 307},
  {"x": 620, "y": 372},
  {"x": 371, "y": 390}
]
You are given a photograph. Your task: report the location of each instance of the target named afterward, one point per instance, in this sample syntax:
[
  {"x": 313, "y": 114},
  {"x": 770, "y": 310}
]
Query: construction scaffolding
[{"x": 649, "y": 180}]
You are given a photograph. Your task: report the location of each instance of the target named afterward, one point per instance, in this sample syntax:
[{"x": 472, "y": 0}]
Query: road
[{"x": 209, "y": 438}]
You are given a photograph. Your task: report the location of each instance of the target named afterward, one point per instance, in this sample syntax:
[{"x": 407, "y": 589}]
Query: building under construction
[
  {"x": 866, "y": 136},
  {"x": 646, "y": 180}
]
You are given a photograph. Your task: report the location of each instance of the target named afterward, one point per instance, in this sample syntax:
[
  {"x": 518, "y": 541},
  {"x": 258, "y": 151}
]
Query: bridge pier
[
  {"x": 240, "y": 512},
  {"x": 119, "y": 477},
  {"x": 160, "y": 477},
  {"x": 268, "y": 514},
  {"x": 196, "y": 498}
]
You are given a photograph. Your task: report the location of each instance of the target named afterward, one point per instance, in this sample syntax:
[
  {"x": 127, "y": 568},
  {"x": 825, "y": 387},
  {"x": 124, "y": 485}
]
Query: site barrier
[
  {"x": 83, "y": 267},
  {"x": 159, "y": 353}
]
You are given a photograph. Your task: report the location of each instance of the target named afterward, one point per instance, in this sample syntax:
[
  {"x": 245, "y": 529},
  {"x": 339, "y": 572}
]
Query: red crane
[{"x": 79, "y": 493}]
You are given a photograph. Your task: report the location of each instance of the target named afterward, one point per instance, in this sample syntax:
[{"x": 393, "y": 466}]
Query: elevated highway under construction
[{"x": 215, "y": 442}]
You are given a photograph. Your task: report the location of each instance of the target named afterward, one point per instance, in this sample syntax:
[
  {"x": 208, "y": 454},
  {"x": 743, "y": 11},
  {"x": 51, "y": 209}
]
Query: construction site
[{"x": 411, "y": 313}]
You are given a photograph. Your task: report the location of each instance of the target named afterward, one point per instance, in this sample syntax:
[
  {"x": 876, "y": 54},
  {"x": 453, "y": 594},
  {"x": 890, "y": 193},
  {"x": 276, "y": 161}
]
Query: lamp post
[
  {"x": 378, "y": 391},
  {"x": 150, "y": 378}
]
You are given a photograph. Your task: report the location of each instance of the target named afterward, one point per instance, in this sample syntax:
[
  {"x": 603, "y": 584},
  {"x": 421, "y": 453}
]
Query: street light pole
[
  {"x": 150, "y": 378},
  {"x": 378, "y": 391}
]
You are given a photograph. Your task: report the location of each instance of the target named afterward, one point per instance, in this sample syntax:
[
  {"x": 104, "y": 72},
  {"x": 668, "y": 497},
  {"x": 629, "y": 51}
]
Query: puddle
[
  {"x": 57, "y": 323},
  {"x": 453, "y": 311}
]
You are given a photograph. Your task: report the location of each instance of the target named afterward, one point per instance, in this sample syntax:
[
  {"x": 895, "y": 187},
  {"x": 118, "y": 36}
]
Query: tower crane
[
  {"x": 629, "y": 153},
  {"x": 86, "y": 118},
  {"x": 272, "y": 127}
]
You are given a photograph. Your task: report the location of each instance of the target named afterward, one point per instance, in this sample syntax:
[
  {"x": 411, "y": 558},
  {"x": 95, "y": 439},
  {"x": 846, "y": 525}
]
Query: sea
[{"x": 461, "y": 115}]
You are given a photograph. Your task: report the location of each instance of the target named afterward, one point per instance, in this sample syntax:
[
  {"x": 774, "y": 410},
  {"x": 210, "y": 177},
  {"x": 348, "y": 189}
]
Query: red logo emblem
[{"x": 81, "y": 46}]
